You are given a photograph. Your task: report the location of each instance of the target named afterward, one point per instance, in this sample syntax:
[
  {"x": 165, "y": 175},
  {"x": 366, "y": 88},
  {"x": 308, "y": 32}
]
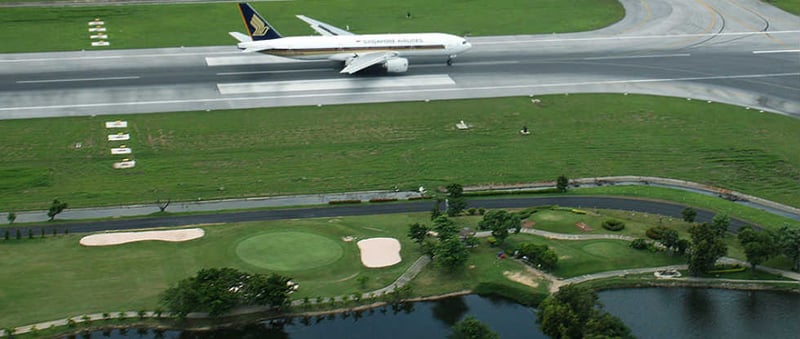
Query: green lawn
[
  {"x": 696, "y": 200},
  {"x": 72, "y": 280},
  {"x": 278, "y": 151},
  {"x": 203, "y": 24}
]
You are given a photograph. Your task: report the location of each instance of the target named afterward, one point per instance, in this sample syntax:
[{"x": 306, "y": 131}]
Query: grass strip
[
  {"x": 36, "y": 29},
  {"x": 284, "y": 151}
]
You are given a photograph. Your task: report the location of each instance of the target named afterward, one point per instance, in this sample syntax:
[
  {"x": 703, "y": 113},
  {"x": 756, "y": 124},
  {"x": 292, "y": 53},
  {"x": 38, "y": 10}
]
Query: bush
[
  {"x": 520, "y": 295},
  {"x": 613, "y": 225},
  {"x": 639, "y": 244},
  {"x": 491, "y": 240},
  {"x": 656, "y": 232},
  {"x": 339, "y": 202},
  {"x": 382, "y": 199},
  {"x": 481, "y": 211},
  {"x": 472, "y": 211}
]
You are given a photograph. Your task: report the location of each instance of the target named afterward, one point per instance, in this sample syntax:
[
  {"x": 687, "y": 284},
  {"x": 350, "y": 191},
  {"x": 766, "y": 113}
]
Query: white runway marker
[
  {"x": 639, "y": 56},
  {"x": 335, "y": 84},
  {"x": 276, "y": 72},
  {"x": 75, "y": 80},
  {"x": 778, "y": 51}
]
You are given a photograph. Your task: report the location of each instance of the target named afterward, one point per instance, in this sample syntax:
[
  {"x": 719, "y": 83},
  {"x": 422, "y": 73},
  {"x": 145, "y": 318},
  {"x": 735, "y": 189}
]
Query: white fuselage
[{"x": 346, "y": 46}]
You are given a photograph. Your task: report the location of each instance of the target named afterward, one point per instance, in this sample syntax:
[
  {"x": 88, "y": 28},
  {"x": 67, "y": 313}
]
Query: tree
[
  {"x": 55, "y": 208},
  {"x": 706, "y": 249},
  {"x": 456, "y": 203},
  {"x": 688, "y": 214},
  {"x": 574, "y": 312},
  {"x": 450, "y": 254},
  {"x": 436, "y": 211},
  {"x": 445, "y": 228},
  {"x": 11, "y": 217},
  {"x": 758, "y": 246},
  {"x": 471, "y": 328},
  {"x": 499, "y": 222},
  {"x": 669, "y": 239},
  {"x": 272, "y": 290},
  {"x": 789, "y": 245},
  {"x": 218, "y": 290},
  {"x": 418, "y": 232},
  {"x": 162, "y": 205},
  {"x": 540, "y": 256},
  {"x": 606, "y": 325},
  {"x": 720, "y": 224},
  {"x": 562, "y": 183}
]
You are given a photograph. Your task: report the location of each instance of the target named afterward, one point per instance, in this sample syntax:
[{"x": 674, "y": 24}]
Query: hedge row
[{"x": 340, "y": 202}]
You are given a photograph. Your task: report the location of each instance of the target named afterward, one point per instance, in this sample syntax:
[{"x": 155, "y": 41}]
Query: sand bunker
[
  {"x": 116, "y": 238},
  {"x": 525, "y": 278},
  {"x": 379, "y": 252}
]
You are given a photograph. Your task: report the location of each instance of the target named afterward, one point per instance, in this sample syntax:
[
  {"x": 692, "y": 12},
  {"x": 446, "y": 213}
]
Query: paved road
[
  {"x": 743, "y": 52},
  {"x": 619, "y": 203}
]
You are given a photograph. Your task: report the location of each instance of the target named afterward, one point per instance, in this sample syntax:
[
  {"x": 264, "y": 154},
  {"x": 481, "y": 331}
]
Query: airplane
[{"x": 358, "y": 52}]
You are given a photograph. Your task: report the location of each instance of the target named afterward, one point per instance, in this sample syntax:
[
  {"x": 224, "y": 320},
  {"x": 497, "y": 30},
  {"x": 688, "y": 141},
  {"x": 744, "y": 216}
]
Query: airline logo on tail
[{"x": 259, "y": 27}]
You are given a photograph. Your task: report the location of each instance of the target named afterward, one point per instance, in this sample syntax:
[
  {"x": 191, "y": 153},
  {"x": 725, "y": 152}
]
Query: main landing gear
[{"x": 450, "y": 60}]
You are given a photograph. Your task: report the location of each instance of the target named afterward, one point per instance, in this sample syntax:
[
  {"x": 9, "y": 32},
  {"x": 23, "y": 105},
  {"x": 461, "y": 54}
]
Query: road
[
  {"x": 618, "y": 203},
  {"x": 740, "y": 52}
]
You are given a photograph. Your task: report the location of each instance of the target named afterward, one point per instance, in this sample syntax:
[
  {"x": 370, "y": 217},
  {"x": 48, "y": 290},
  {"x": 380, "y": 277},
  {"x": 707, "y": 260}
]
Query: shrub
[
  {"x": 491, "y": 240},
  {"x": 472, "y": 211},
  {"x": 656, "y": 232},
  {"x": 639, "y": 244},
  {"x": 613, "y": 225},
  {"x": 382, "y": 199},
  {"x": 481, "y": 211},
  {"x": 520, "y": 295},
  {"x": 577, "y": 211},
  {"x": 339, "y": 202}
]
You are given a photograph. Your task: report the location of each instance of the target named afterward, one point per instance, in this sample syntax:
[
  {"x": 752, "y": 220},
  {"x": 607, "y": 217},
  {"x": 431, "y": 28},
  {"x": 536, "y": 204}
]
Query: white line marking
[
  {"x": 100, "y": 57},
  {"x": 639, "y": 56},
  {"x": 335, "y": 84},
  {"x": 276, "y": 72},
  {"x": 778, "y": 51},
  {"x": 316, "y": 95},
  {"x": 74, "y": 80},
  {"x": 630, "y": 37}
]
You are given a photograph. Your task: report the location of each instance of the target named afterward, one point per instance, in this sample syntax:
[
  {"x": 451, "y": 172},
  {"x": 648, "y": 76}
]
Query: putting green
[{"x": 289, "y": 251}]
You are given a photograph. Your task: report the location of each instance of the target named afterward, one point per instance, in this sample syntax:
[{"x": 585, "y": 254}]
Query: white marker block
[
  {"x": 98, "y": 36},
  {"x": 119, "y": 137},
  {"x": 97, "y": 29},
  {"x": 116, "y": 124},
  {"x": 95, "y": 23},
  {"x": 125, "y": 164},
  {"x": 121, "y": 150},
  {"x": 100, "y": 43}
]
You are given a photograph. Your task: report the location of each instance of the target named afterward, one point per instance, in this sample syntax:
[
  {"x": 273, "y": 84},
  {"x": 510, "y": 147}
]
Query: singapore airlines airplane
[{"x": 358, "y": 52}]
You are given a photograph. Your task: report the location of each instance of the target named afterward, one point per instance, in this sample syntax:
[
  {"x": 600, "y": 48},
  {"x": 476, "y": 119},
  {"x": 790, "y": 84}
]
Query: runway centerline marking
[
  {"x": 275, "y": 72},
  {"x": 315, "y": 95},
  {"x": 75, "y": 80},
  {"x": 778, "y": 51},
  {"x": 639, "y": 56}
]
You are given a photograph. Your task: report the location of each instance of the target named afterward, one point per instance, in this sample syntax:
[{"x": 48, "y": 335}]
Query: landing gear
[{"x": 450, "y": 61}]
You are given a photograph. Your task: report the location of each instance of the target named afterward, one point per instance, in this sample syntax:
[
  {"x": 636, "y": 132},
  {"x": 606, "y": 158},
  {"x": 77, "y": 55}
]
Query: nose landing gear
[{"x": 450, "y": 60}]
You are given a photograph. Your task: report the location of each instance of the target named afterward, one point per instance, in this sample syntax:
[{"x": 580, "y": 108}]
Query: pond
[{"x": 649, "y": 312}]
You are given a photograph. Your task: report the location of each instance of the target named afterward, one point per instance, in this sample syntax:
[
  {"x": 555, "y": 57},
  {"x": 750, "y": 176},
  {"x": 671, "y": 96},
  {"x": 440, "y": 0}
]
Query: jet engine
[{"x": 396, "y": 65}]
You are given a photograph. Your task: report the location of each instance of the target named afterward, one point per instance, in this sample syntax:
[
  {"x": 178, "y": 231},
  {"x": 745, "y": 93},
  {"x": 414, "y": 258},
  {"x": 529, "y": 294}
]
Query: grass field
[
  {"x": 72, "y": 280},
  {"x": 137, "y": 26},
  {"x": 276, "y": 151}
]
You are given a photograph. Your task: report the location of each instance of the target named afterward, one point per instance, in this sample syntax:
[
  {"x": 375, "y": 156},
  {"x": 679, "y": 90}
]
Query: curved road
[
  {"x": 743, "y": 52},
  {"x": 646, "y": 206}
]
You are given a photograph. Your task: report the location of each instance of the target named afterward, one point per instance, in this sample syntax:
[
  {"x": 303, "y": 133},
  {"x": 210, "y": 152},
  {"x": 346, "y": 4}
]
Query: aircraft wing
[
  {"x": 323, "y": 28},
  {"x": 362, "y": 61}
]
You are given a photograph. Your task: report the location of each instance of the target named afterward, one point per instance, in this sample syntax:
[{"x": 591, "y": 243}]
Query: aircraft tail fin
[{"x": 257, "y": 27}]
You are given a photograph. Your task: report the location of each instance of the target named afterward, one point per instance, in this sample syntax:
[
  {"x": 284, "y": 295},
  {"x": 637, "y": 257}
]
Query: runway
[{"x": 740, "y": 52}]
